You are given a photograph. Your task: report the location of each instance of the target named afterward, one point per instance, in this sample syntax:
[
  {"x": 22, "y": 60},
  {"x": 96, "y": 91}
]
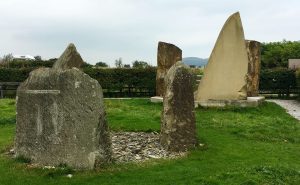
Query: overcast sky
[{"x": 104, "y": 30}]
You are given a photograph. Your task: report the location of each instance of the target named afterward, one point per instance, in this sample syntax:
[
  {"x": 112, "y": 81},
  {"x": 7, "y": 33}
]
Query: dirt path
[{"x": 292, "y": 107}]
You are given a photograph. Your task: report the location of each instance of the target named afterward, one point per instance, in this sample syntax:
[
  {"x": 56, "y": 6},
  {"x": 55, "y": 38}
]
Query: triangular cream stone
[{"x": 225, "y": 74}]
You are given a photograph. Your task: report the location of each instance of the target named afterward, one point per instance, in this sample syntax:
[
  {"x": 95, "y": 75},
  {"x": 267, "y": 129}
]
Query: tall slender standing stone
[
  {"x": 253, "y": 50},
  {"x": 178, "y": 125},
  {"x": 61, "y": 117},
  {"x": 225, "y": 76},
  {"x": 167, "y": 55}
]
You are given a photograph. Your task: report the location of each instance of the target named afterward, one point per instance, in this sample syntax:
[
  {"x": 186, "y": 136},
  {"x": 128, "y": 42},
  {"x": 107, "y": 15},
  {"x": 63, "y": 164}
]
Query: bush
[
  {"x": 279, "y": 81},
  {"x": 112, "y": 80},
  {"x": 14, "y": 74},
  {"x": 16, "y": 63},
  {"x": 298, "y": 82},
  {"x": 125, "y": 80}
]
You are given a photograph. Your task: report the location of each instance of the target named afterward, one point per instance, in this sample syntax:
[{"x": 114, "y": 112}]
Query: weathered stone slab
[
  {"x": 61, "y": 119},
  {"x": 69, "y": 59},
  {"x": 167, "y": 55},
  {"x": 225, "y": 76},
  {"x": 178, "y": 127},
  {"x": 253, "y": 50}
]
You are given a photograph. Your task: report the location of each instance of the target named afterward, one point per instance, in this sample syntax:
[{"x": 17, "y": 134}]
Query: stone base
[
  {"x": 156, "y": 99},
  {"x": 250, "y": 102}
]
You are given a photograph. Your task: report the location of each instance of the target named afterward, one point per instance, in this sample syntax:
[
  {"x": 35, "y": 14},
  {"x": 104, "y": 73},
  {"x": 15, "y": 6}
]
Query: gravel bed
[{"x": 139, "y": 146}]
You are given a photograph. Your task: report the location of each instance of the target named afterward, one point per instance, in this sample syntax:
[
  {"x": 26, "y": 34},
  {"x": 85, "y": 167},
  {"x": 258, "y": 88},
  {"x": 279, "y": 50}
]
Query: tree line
[
  {"x": 273, "y": 55},
  {"x": 8, "y": 61},
  {"x": 277, "y": 54}
]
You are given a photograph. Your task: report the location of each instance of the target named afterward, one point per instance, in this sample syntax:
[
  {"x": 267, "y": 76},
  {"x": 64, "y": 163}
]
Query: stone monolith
[
  {"x": 225, "y": 76},
  {"x": 69, "y": 59},
  {"x": 178, "y": 127},
  {"x": 167, "y": 55},
  {"x": 61, "y": 117},
  {"x": 253, "y": 50}
]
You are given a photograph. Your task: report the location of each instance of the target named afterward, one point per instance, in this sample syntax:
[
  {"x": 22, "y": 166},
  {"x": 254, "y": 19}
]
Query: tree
[
  {"x": 277, "y": 54},
  {"x": 7, "y": 59},
  {"x": 119, "y": 63},
  {"x": 140, "y": 64},
  {"x": 126, "y": 65},
  {"x": 101, "y": 64},
  {"x": 38, "y": 58}
]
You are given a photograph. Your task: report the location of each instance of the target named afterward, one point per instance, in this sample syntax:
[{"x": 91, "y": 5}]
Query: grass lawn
[{"x": 242, "y": 146}]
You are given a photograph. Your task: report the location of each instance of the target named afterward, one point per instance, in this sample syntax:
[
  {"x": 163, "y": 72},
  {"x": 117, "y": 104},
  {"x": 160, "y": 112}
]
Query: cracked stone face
[
  {"x": 178, "y": 125},
  {"x": 167, "y": 55},
  {"x": 61, "y": 119},
  {"x": 253, "y": 50}
]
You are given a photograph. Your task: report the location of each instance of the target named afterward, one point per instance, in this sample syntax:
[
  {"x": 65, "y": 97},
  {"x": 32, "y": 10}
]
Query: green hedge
[
  {"x": 118, "y": 78},
  {"x": 14, "y": 74},
  {"x": 128, "y": 81},
  {"x": 280, "y": 81},
  {"x": 16, "y": 63},
  {"x": 298, "y": 82}
]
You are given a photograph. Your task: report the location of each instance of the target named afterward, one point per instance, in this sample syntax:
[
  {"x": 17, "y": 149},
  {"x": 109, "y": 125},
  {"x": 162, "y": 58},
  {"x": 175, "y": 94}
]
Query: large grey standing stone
[
  {"x": 61, "y": 118},
  {"x": 178, "y": 127},
  {"x": 167, "y": 55},
  {"x": 253, "y": 50}
]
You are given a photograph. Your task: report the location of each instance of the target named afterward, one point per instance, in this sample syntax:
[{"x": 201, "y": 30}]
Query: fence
[{"x": 8, "y": 89}]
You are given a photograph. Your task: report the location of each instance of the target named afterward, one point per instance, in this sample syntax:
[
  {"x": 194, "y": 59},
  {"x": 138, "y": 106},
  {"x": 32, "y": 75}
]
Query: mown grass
[{"x": 242, "y": 146}]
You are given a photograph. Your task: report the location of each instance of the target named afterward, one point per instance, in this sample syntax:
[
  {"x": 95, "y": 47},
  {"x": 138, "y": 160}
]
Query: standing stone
[
  {"x": 61, "y": 117},
  {"x": 225, "y": 76},
  {"x": 69, "y": 59},
  {"x": 253, "y": 50},
  {"x": 178, "y": 127},
  {"x": 167, "y": 55}
]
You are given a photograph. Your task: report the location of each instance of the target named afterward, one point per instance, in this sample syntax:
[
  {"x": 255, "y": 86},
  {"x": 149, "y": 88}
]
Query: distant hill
[{"x": 195, "y": 61}]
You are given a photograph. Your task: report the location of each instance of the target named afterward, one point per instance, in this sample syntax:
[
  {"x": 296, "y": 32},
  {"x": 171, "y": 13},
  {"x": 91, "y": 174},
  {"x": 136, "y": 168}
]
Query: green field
[{"x": 242, "y": 146}]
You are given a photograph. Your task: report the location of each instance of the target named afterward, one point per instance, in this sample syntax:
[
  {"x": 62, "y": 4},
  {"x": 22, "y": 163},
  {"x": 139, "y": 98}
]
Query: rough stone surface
[
  {"x": 253, "y": 50},
  {"x": 61, "y": 119},
  {"x": 225, "y": 76},
  {"x": 178, "y": 128},
  {"x": 69, "y": 59},
  {"x": 167, "y": 55}
]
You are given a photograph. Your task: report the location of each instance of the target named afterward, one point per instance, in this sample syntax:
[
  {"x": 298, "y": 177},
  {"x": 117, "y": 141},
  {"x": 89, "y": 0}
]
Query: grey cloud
[{"x": 106, "y": 30}]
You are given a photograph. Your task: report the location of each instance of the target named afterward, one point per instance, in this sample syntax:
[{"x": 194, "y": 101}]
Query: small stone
[
  {"x": 154, "y": 156},
  {"x": 49, "y": 167},
  {"x": 12, "y": 151}
]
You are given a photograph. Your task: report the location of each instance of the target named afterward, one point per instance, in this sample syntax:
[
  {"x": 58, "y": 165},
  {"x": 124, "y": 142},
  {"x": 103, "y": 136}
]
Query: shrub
[
  {"x": 16, "y": 63},
  {"x": 112, "y": 80},
  {"x": 298, "y": 82},
  {"x": 14, "y": 74},
  {"x": 280, "y": 80}
]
